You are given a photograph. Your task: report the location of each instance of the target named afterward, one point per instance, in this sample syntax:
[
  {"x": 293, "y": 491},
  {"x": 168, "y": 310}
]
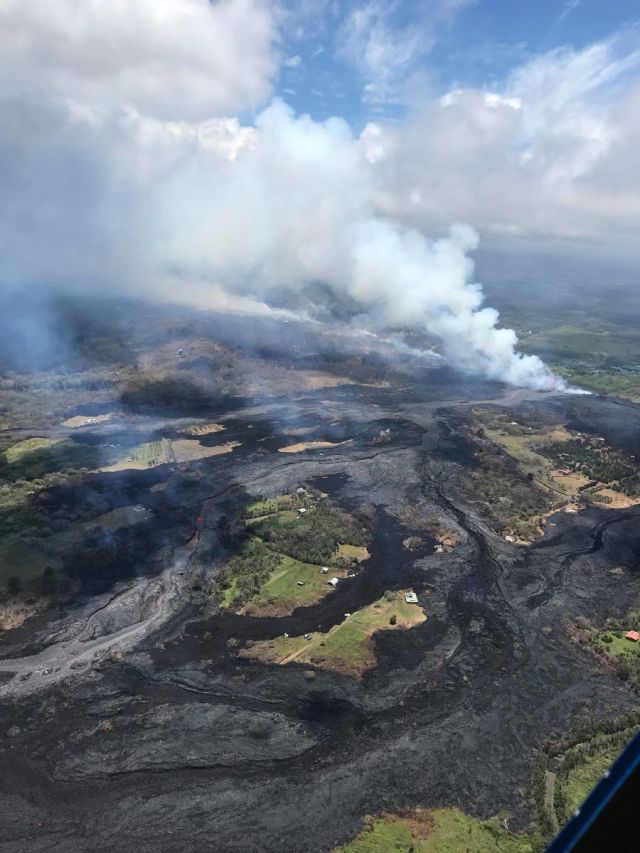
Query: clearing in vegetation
[
  {"x": 150, "y": 454},
  {"x": 359, "y": 553},
  {"x": 437, "y": 831},
  {"x": 310, "y": 445},
  {"x": 565, "y": 469},
  {"x": 86, "y": 420},
  {"x": 203, "y": 429},
  {"x": 621, "y": 653},
  {"x": 347, "y": 648},
  {"x": 288, "y": 539}
]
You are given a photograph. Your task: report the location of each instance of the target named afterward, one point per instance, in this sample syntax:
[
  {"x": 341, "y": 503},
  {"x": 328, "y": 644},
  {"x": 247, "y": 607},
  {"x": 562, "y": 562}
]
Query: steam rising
[
  {"x": 295, "y": 206},
  {"x": 122, "y": 169}
]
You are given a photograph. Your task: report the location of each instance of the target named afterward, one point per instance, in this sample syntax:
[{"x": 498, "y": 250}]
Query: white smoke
[
  {"x": 118, "y": 174},
  {"x": 296, "y": 206}
]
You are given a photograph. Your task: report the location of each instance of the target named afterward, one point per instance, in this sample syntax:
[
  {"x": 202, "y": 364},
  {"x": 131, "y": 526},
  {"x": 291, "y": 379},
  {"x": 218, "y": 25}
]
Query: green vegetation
[
  {"x": 614, "y": 384},
  {"x": 22, "y": 560},
  {"x": 438, "y": 831},
  {"x": 35, "y": 458},
  {"x": 269, "y": 506},
  {"x": 282, "y": 592},
  {"x": 28, "y": 467},
  {"x": 581, "y": 780},
  {"x": 553, "y": 468},
  {"x": 346, "y": 648},
  {"x": 612, "y": 644},
  {"x": 594, "y": 460},
  {"x": 315, "y": 537},
  {"x": 165, "y": 392},
  {"x": 508, "y": 484},
  {"x": 270, "y": 573},
  {"x": 243, "y": 576},
  {"x": 565, "y": 771},
  {"x": 596, "y": 342}
]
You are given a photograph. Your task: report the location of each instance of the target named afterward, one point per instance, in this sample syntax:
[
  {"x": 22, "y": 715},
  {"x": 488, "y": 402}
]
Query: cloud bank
[{"x": 125, "y": 165}]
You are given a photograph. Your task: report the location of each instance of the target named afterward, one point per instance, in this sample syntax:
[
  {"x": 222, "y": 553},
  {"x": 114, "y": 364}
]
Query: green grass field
[
  {"x": 619, "y": 646},
  {"x": 282, "y": 592},
  {"x": 439, "y": 831},
  {"x": 347, "y": 648},
  {"x": 146, "y": 455},
  {"x": 251, "y": 583},
  {"x": 582, "y": 779},
  {"x": 22, "y": 449}
]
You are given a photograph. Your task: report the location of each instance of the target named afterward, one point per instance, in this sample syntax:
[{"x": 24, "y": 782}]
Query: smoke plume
[
  {"x": 112, "y": 185},
  {"x": 296, "y": 206}
]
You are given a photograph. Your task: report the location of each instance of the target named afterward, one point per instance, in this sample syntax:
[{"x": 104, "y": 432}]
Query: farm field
[
  {"x": 347, "y": 648},
  {"x": 273, "y": 572}
]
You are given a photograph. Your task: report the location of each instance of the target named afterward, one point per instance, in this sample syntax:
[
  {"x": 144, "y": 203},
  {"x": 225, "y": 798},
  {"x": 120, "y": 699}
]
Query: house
[
  {"x": 509, "y": 538},
  {"x": 565, "y": 471},
  {"x": 324, "y": 570},
  {"x": 634, "y": 636},
  {"x": 302, "y": 510},
  {"x": 410, "y": 597},
  {"x": 334, "y": 582}
]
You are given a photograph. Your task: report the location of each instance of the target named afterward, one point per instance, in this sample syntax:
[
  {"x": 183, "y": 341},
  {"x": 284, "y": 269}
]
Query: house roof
[{"x": 633, "y": 635}]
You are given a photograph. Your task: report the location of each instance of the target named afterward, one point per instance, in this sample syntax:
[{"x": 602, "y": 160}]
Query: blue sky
[{"x": 436, "y": 45}]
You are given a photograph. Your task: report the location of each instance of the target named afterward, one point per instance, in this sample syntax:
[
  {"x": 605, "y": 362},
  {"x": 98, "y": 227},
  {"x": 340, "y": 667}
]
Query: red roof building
[{"x": 633, "y": 636}]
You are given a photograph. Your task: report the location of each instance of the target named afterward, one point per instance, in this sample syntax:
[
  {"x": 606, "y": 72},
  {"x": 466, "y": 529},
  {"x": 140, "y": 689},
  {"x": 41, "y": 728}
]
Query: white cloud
[
  {"x": 174, "y": 59},
  {"x": 548, "y": 157},
  {"x": 567, "y": 8},
  {"x": 385, "y": 50},
  {"x": 381, "y": 51}
]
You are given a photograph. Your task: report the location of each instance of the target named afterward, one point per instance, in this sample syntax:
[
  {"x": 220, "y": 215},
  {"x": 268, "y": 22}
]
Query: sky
[
  {"x": 246, "y": 151},
  {"x": 366, "y": 59}
]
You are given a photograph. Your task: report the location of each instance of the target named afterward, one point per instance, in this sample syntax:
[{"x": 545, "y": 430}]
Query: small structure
[
  {"x": 334, "y": 582},
  {"x": 179, "y": 352},
  {"x": 300, "y": 490},
  {"x": 302, "y": 510},
  {"x": 300, "y": 583},
  {"x": 634, "y": 636},
  {"x": 565, "y": 471},
  {"x": 509, "y": 538},
  {"x": 410, "y": 597},
  {"x": 324, "y": 570},
  {"x": 307, "y": 636}
]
